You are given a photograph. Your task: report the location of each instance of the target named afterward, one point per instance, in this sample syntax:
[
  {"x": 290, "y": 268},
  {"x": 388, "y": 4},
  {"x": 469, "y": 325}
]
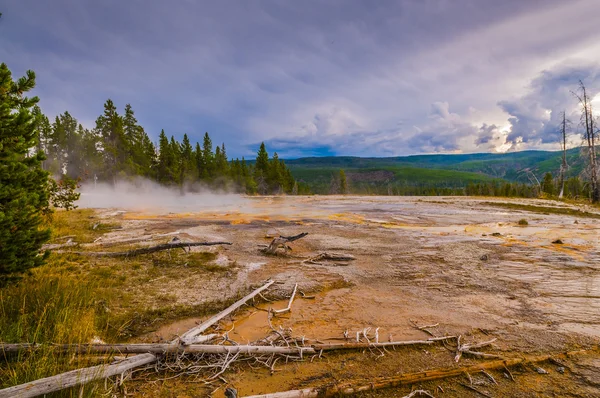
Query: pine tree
[
  {"x": 174, "y": 162},
  {"x": 207, "y": 155},
  {"x": 261, "y": 170},
  {"x": 343, "y": 183},
  {"x": 23, "y": 183},
  {"x": 199, "y": 160},
  {"x": 115, "y": 149},
  {"x": 165, "y": 158},
  {"x": 275, "y": 175},
  {"x": 187, "y": 168},
  {"x": 548, "y": 184}
]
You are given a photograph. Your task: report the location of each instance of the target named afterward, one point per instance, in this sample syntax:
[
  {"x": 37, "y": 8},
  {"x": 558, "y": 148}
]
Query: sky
[{"x": 316, "y": 77}]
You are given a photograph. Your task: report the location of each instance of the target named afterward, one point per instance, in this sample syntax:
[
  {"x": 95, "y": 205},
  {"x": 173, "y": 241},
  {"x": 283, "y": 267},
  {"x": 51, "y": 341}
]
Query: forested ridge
[{"x": 118, "y": 148}]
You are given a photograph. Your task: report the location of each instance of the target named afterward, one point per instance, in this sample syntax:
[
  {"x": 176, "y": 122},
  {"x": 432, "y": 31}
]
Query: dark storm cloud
[
  {"x": 329, "y": 73},
  {"x": 536, "y": 116}
]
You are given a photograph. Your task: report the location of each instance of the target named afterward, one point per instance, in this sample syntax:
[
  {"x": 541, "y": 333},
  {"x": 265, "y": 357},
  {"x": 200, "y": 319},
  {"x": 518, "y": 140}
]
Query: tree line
[{"x": 118, "y": 147}]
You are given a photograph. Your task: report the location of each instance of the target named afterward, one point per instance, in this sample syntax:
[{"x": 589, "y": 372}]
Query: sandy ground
[{"x": 456, "y": 262}]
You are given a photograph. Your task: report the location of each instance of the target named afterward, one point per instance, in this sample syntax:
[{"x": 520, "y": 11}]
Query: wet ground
[{"x": 457, "y": 262}]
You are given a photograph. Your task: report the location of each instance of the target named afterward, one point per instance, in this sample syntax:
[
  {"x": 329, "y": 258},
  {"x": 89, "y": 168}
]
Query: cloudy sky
[{"x": 327, "y": 77}]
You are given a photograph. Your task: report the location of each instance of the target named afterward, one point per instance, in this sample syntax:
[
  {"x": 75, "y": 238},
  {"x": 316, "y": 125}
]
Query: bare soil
[{"x": 458, "y": 262}]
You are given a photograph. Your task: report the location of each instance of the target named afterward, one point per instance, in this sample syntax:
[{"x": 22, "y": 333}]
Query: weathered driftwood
[
  {"x": 353, "y": 346},
  {"x": 194, "y": 347},
  {"x": 54, "y": 246},
  {"x": 189, "y": 336},
  {"x": 281, "y": 242},
  {"x": 75, "y": 377},
  {"x": 114, "y": 242},
  {"x": 415, "y": 378},
  {"x": 85, "y": 375},
  {"x": 289, "y": 306},
  {"x": 468, "y": 349},
  {"x": 152, "y": 249},
  {"x": 330, "y": 257},
  {"x": 168, "y": 348}
]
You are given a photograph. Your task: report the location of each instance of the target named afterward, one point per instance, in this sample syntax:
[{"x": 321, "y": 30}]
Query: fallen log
[
  {"x": 194, "y": 347},
  {"x": 171, "y": 348},
  {"x": 85, "y": 375},
  {"x": 354, "y": 346},
  {"x": 75, "y": 377},
  {"x": 54, "y": 246},
  {"x": 414, "y": 378},
  {"x": 316, "y": 260},
  {"x": 282, "y": 242},
  {"x": 189, "y": 336},
  {"x": 151, "y": 249}
]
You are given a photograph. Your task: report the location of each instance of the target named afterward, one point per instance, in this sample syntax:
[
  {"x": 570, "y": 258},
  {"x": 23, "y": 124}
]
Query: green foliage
[
  {"x": 23, "y": 183},
  {"x": 343, "y": 183},
  {"x": 523, "y": 222},
  {"x": 119, "y": 148},
  {"x": 548, "y": 184},
  {"x": 63, "y": 193}
]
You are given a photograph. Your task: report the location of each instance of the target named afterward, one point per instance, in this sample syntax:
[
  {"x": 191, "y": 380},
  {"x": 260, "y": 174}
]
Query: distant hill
[{"x": 376, "y": 175}]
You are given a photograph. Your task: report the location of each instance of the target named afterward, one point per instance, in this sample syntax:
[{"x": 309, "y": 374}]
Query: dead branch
[
  {"x": 85, "y": 375},
  {"x": 415, "y": 378},
  {"x": 353, "y": 346},
  {"x": 475, "y": 389},
  {"x": 174, "y": 348},
  {"x": 152, "y": 249},
  {"x": 54, "y": 246},
  {"x": 289, "y": 306},
  {"x": 189, "y": 336},
  {"x": 281, "y": 242},
  {"x": 75, "y": 377},
  {"x": 316, "y": 260},
  {"x": 468, "y": 349}
]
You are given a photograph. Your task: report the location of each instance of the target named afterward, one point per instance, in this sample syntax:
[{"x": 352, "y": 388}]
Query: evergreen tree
[
  {"x": 548, "y": 184},
  {"x": 221, "y": 164},
  {"x": 262, "y": 160},
  {"x": 208, "y": 157},
  {"x": 199, "y": 159},
  {"x": 343, "y": 183},
  {"x": 23, "y": 183},
  {"x": 261, "y": 170},
  {"x": 275, "y": 175},
  {"x": 187, "y": 168},
  {"x": 115, "y": 147},
  {"x": 174, "y": 161},
  {"x": 165, "y": 159}
]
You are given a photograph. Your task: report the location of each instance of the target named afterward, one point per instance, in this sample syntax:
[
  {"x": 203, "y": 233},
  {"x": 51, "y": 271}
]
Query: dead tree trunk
[
  {"x": 86, "y": 375},
  {"x": 152, "y": 249},
  {"x": 75, "y": 377},
  {"x": 413, "y": 378},
  {"x": 564, "y": 166},
  {"x": 282, "y": 242},
  {"x": 590, "y": 136}
]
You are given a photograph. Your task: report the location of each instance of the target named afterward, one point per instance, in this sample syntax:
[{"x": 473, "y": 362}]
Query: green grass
[
  {"x": 74, "y": 299},
  {"x": 544, "y": 209}
]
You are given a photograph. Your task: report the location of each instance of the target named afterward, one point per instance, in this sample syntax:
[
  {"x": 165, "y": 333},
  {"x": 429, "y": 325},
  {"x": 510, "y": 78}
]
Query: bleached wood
[
  {"x": 166, "y": 348},
  {"x": 414, "y": 378},
  {"x": 85, "y": 375},
  {"x": 151, "y": 249},
  {"x": 189, "y": 336},
  {"x": 289, "y": 306},
  {"x": 75, "y": 377}
]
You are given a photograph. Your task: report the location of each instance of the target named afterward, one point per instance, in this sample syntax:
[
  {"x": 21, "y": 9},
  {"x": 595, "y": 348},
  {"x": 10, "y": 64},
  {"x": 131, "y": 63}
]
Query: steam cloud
[{"x": 144, "y": 195}]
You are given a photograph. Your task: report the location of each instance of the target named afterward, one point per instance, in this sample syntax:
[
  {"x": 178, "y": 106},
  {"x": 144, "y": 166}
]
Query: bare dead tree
[
  {"x": 587, "y": 119},
  {"x": 564, "y": 166}
]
